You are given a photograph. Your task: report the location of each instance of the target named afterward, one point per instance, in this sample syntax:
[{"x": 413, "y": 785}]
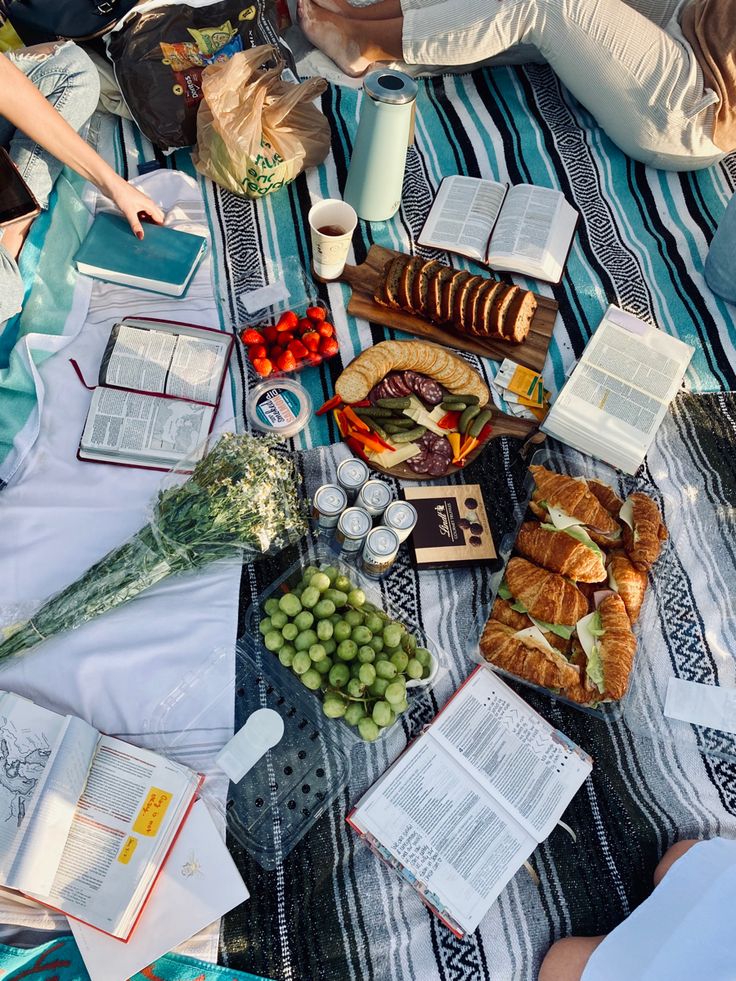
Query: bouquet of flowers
[{"x": 241, "y": 497}]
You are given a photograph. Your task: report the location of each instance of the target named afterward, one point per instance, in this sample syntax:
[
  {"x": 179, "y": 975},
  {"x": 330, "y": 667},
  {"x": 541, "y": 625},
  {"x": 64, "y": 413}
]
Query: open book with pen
[{"x": 86, "y": 820}]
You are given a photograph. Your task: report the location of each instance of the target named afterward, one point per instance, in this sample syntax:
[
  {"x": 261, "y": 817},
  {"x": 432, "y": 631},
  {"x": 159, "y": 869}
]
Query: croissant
[
  {"x": 546, "y": 595},
  {"x": 643, "y": 544},
  {"x": 503, "y": 612},
  {"x": 628, "y": 581},
  {"x": 617, "y": 647},
  {"x": 606, "y": 495},
  {"x": 560, "y": 552},
  {"x": 574, "y": 498},
  {"x": 525, "y": 658}
]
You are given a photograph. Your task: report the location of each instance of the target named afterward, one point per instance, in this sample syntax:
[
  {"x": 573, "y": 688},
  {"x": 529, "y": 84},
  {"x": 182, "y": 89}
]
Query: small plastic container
[
  {"x": 287, "y": 288},
  {"x": 579, "y": 465},
  {"x": 280, "y": 406}
]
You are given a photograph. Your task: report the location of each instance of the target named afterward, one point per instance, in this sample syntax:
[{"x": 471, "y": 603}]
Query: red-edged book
[
  {"x": 466, "y": 804},
  {"x": 158, "y": 391},
  {"x": 87, "y": 820}
]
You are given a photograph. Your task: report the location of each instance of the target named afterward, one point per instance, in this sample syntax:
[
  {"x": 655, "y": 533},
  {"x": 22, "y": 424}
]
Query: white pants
[{"x": 640, "y": 81}]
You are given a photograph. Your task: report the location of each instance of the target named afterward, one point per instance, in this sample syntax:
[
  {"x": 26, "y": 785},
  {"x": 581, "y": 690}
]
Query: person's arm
[{"x": 25, "y": 108}]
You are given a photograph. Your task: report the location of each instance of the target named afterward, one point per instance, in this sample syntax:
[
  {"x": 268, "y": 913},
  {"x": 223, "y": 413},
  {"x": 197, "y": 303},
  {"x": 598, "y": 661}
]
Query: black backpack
[{"x": 36, "y": 21}]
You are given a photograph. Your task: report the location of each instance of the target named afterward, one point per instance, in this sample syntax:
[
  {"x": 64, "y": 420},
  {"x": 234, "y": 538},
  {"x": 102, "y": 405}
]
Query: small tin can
[
  {"x": 353, "y": 526},
  {"x": 401, "y": 517},
  {"x": 351, "y": 475},
  {"x": 328, "y": 503},
  {"x": 380, "y": 551},
  {"x": 374, "y": 497}
]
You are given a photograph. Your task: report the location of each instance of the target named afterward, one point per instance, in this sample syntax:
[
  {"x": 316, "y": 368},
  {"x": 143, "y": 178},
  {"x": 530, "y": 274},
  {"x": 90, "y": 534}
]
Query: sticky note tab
[
  {"x": 126, "y": 852},
  {"x": 702, "y": 705},
  {"x": 263, "y": 730},
  {"x": 152, "y": 813}
]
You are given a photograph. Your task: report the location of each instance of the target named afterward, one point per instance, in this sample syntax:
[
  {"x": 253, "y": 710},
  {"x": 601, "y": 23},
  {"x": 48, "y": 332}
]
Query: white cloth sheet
[{"x": 60, "y": 515}]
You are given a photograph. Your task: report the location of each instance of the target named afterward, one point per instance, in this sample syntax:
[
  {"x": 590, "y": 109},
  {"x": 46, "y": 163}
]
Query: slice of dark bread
[
  {"x": 471, "y": 299},
  {"x": 420, "y": 286},
  {"x": 388, "y": 293},
  {"x": 449, "y": 290},
  {"x": 494, "y": 324},
  {"x": 406, "y": 283},
  {"x": 437, "y": 281},
  {"x": 518, "y": 317},
  {"x": 461, "y": 296},
  {"x": 482, "y": 312}
]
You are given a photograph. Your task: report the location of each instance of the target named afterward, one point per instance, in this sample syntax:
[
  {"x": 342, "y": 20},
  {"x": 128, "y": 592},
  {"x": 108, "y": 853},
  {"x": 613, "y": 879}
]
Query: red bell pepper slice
[{"x": 333, "y": 403}]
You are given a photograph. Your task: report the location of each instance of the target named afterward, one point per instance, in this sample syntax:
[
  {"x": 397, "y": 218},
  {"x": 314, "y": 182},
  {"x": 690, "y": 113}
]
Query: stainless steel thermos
[{"x": 376, "y": 173}]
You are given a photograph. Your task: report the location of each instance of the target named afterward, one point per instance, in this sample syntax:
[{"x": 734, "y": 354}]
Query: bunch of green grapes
[{"x": 346, "y": 648}]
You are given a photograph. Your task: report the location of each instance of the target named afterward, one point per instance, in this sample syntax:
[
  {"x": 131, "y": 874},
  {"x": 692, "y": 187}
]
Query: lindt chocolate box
[{"x": 452, "y": 526}]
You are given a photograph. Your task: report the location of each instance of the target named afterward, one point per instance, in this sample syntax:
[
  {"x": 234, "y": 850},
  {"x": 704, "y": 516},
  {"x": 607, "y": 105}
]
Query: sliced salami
[{"x": 429, "y": 391}]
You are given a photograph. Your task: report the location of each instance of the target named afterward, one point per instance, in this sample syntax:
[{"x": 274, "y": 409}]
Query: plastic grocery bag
[{"x": 256, "y": 132}]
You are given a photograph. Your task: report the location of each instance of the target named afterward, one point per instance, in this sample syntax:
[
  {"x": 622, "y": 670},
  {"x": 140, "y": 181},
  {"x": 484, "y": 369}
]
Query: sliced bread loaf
[
  {"x": 461, "y": 297},
  {"x": 484, "y": 304},
  {"x": 406, "y": 283},
  {"x": 493, "y": 326},
  {"x": 437, "y": 281},
  {"x": 518, "y": 317},
  {"x": 449, "y": 290},
  {"x": 392, "y": 279}
]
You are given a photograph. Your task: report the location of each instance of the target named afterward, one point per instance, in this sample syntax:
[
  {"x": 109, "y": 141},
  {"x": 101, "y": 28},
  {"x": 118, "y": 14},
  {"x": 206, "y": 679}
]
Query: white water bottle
[{"x": 376, "y": 173}]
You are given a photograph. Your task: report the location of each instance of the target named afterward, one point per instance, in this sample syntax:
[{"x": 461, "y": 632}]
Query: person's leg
[
  {"x": 566, "y": 959},
  {"x": 353, "y": 45},
  {"x": 671, "y": 856}
]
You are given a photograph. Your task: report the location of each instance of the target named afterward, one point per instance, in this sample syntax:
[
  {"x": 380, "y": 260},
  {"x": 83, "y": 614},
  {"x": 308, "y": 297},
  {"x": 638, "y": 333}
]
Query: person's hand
[{"x": 133, "y": 203}]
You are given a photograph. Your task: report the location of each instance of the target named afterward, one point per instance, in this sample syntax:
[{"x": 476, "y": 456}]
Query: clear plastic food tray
[
  {"x": 418, "y": 692},
  {"x": 578, "y": 465}
]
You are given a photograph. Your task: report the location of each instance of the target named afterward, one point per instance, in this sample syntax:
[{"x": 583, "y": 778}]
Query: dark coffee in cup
[{"x": 331, "y": 230}]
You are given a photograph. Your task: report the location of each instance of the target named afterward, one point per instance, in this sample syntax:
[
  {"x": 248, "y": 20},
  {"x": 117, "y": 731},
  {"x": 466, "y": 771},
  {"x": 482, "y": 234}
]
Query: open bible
[
  {"x": 619, "y": 391},
  {"x": 524, "y": 229},
  {"x": 467, "y": 803},
  {"x": 86, "y": 820},
  {"x": 159, "y": 388}
]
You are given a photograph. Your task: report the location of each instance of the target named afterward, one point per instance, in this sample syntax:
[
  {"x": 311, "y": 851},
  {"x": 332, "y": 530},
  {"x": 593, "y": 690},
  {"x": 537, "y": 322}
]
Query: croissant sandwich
[
  {"x": 571, "y": 552},
  {"x": 526, "y": 657},
  {"x": 550, "y": 599},
  {"x": 628, "y": 581},
  {"x": 569, "y": 497},
  {"x": 606, "y": 495},
  {"x": 504, "y": 612},
  {"x": 644, "y": 530},
  {"x": 609, "y": 645}
]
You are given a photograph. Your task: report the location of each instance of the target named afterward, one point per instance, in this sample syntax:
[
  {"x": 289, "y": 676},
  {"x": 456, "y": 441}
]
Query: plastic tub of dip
[{"x": 280, "y": 406}]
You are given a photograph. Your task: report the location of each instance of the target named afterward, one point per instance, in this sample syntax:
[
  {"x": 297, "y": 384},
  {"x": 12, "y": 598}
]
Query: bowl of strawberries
[{"x": 294, "y": 341}]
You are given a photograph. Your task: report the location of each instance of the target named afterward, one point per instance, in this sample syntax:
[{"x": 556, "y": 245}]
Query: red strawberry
[
  {"x": 304, "y": 324},
  {"x": 325, "y": 329},
  {"x": 287, "y": 321},
  {"x": 286, "y": 361},
  {"x": 257, "y": 351},
  {"x": 263, "y": 366},
  {"x": 315, "y": 359},
  {"x": 285, "y": 339},
  {"x": 270, "y": 334},
  {"x": 251, "y": 336},
  {"x": 316, "y": 313},
  {"x": 310, "y": 340},
  {"x": 328, "y": 347},
  {"x": 298, "y": 349},
  {"x": 274, "y": 351}
]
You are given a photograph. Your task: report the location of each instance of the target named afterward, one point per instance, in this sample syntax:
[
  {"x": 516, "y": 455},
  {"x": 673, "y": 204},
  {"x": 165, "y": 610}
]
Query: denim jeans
[
  {"x": 720, "y": 264},
  {"x": 69, "y": 81}
]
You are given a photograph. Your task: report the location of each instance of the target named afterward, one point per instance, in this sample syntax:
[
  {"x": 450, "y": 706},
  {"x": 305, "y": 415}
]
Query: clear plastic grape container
[{"x": 361, "y": 681}]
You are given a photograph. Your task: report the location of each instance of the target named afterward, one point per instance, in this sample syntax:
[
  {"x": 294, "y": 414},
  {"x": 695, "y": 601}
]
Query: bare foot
[{"x": 334, "y": 35}]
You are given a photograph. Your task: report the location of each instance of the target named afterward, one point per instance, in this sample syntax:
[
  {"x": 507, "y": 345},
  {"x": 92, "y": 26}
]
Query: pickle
[
  {"x": 392, "y": 426},
  {"x": 368, "y": 411},
  {"x": 403, "y": 403},
  {"x": 449, "y": 406},
  {"x": 467, "y": 417},
  {"x": 409, "y": 435},
  {"x": 467, "y": 399},
  {"x": 477, "y": 424},
  {"x": 376, "y": 427}
]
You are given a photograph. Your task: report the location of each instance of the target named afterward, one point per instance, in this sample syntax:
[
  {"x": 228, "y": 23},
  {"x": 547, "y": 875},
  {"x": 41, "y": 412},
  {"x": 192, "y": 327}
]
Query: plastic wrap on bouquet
[{"x": 241, "y": 499}]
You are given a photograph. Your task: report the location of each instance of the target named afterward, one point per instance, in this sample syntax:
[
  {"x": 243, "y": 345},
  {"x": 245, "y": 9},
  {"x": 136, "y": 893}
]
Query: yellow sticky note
[
  {"x": 152, "y": 813},
  {"x": 126, "y": 852}
]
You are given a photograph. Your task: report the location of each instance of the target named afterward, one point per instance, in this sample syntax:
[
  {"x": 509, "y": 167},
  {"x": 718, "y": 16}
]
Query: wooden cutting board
[{"x": 364, "y": 280}]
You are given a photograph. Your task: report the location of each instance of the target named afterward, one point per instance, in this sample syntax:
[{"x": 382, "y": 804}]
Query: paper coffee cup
[{"x": 332, "y": 224}]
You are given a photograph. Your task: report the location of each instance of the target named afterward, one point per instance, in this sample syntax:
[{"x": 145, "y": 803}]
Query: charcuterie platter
[{"x": 415, "y": 411}]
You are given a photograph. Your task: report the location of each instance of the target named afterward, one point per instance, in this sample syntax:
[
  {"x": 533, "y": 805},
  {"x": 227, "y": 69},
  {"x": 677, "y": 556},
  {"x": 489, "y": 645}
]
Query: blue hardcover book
[{"x": 164, "y": 262}]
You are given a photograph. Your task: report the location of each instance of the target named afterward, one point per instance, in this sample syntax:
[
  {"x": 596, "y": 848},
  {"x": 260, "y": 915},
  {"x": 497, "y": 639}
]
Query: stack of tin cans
[{"x": 348, "y": 509}]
